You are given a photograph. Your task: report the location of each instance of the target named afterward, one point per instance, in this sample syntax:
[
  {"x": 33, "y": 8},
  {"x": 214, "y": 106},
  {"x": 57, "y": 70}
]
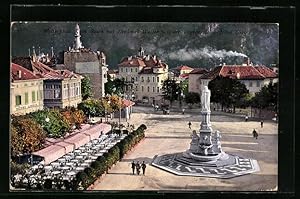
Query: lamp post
[{"x": 120, "y": 109}]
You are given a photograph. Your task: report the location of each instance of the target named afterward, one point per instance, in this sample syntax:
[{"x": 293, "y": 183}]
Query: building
[
  {"x": 26, "y": 91},
  {"x": 113, "y": 74},
  {"x": 87, "y": 63},
  {"x": 61, "y": 88},
  {"x": 182, "y": 70},
  {"x": 254, "y": 77},
  {"x": 195, "y": 79},
  {"x": 144, "y": 76}
]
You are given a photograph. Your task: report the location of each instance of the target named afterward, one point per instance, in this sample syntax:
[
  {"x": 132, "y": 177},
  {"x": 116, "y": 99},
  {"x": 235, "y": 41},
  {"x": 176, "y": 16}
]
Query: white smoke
[{"x": 186, "y": 54}]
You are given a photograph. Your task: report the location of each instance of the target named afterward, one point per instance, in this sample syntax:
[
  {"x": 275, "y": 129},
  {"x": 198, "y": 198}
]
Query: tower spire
[{"x": 77, "y": 42}]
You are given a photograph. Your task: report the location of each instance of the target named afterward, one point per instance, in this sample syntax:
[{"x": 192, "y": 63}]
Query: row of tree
[{"x": 228, "y": 92}]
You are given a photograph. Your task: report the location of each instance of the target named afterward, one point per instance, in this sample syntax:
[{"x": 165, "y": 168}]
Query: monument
[{"x": 205, "y": 156}]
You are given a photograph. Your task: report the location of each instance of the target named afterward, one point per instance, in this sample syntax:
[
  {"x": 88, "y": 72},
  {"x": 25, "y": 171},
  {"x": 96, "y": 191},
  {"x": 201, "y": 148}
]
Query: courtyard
[{"x": 167, "y": 134}]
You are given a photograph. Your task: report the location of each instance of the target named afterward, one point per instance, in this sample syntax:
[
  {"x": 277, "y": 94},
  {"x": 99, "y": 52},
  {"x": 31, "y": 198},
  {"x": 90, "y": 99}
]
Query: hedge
[{"x": 108, "y": 159}]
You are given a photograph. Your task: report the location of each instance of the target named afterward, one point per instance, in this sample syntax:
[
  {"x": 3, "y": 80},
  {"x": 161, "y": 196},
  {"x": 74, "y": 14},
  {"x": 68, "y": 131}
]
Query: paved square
[{"x": 167, "y": 134}]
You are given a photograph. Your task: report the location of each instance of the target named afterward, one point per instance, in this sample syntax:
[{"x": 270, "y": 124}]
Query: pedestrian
[
  {"x": 143, "y": 167},
  {"x": 133, "y": 167},
  {"x": 190, "y": 124},
  {"x": 246, "y": 118},
  {"x": 183, "y": 111},
  {"x": 255, "y": 134},
  {"x": 261, "y": 123},
  {"x": 138, "y": 167}
]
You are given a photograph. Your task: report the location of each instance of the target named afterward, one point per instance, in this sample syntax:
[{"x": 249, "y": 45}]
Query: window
[
  {"x": 153, "y": 79},
  {"x": 104, "y": 76},
  {"x": 126, "y": 70},
  {"x": 33, "y": 96},
  {"x": 142, "y": 88},
  {"x": 41, "y": 95},
  {"x": 37, "y": 95},
  {"x": 142, "y": 79},
  {"x": 25, "y": 84},
  {"x": 257, "y": 84},
  {"x": 250, "y": 84},
  {"x": 26, "y": 98},
  {"x": 148, "y": 89},
  {"x": 136, "y": 70},
  {"x": 136, "y": 88},
  {"x": 157, "y": 89},
  {"x": 131, "y": 70},
  {"x": 18, "y": 100},
  {"x": 148, "y": 79},
  {"x": 122, "y": 70},
  {"x": 153, "y": 89},
  {"x": 136, "y": 79},
  {"x": 157, "y": 79}
]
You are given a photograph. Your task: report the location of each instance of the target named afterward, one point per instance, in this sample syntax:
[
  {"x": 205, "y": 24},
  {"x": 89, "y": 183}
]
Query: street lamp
[{"x": 120, "y": 109}]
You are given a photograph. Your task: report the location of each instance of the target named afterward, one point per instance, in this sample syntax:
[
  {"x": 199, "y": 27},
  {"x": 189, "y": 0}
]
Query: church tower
[
  {"x": 141, "y": 52},
  {"x": 77, "y": 43}
]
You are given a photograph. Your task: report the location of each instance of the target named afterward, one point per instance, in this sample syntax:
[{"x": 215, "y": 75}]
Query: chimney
[{"x": 19, "y": 74}]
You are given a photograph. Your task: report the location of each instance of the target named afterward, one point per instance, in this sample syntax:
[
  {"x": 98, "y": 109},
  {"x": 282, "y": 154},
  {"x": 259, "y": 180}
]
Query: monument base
[{"x": 226, "y": 166}]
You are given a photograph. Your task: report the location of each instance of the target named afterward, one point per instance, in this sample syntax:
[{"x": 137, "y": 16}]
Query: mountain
[{"x": 193, "y": 44}]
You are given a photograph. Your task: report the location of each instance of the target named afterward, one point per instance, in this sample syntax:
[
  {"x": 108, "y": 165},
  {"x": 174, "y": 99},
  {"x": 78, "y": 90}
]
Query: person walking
[
  {"x": 183, "y": 111},
  {"x": 255, "y": 134},
  {"x": 138, "y": 167},
  {"x": 261, "y": 123},
  {"x": 133, "y": 167},
  {"x": 143, "y": 167},
  {"x": 190, "y": 124},
  {"x": 246, "y": 118}
]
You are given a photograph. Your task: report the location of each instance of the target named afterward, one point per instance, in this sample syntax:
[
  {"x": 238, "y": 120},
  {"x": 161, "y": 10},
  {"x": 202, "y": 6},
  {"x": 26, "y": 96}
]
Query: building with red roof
[
  {"x": 144, "y": 75},
  {"x": 26, "y": 91},
  {"x": 61, "y": 88},
  {"x": 194, "y": 79},
  {"x": 254, "y": 77}
]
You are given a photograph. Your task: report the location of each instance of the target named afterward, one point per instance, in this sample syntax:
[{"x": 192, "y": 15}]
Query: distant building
[
  {"x": 26, "y": 91},
  {"x": 195, "y": 79},
  {"x": 144, "y": 76},
  {"x": 181, "y": 70},
  {"x": 254, "y": 77},
  {"x": 113, "y": 74},
  {"x": 88, "y": 63},
  {"x": 61, "y": 88}
]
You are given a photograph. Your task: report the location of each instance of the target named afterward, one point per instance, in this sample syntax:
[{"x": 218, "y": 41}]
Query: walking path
[{"x": 170, "y": 134}]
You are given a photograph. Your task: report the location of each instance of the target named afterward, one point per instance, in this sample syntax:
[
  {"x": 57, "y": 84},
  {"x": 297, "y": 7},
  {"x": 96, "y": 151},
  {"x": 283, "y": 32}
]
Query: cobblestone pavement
[{"x": 170, "y": 134}]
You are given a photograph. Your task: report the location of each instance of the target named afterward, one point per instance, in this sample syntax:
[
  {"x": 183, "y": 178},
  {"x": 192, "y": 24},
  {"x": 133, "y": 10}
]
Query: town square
[{"x": 144, "y": 112}]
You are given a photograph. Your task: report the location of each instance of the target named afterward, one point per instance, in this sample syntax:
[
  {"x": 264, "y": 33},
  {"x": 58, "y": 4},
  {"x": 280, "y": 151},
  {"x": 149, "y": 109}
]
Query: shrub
[{"x": 18, "y": 168}]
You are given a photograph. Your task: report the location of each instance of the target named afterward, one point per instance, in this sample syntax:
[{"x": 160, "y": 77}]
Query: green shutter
[{"x": 26, "y": 98}]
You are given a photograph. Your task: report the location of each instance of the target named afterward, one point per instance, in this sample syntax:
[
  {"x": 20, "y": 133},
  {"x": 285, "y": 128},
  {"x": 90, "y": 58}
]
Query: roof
[
  {"x": 127, "y": 103},
  {"x": 199, "y": 71},
  {"x": 233, "y": 71},
  {"x": 267, "y": 72},
  {"x": 43, "y": 71},
  {"x": 184, "y": 76},
  {"x": 148, "y": 61},
  {"x": 112, "y": 72},
  {"x": 183, "y": 68},
  {"x": 20, "y": 73}
]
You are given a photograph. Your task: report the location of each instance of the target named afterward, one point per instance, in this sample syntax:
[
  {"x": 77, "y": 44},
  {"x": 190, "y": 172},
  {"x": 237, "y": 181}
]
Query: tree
[
  {"x": 192, "y": 98},
  {"x": 91, "y": 107},
  {"x": 86, "y": 90},
  {"x": 226, "y": 91},
  {"x": 52, "y": 122},
  {"x": 267, "y": 97},
  {"x": 170, "y": 90},
  {"x": 114, "y": 87},
  {"x": 26, "y": 135}
]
